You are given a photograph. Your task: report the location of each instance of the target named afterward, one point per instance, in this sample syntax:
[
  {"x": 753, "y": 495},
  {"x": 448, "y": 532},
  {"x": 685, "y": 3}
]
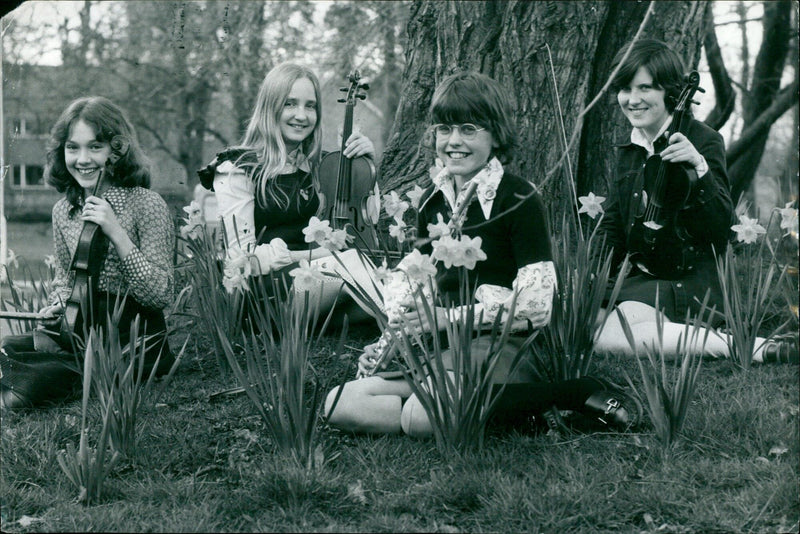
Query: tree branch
[
  {"x": 218, "y": 135},
  {"x": 786, "y": 98},
  {"x": 725, "y": 96},
  {"x": 737, "y": 21},
  {"x": 161, "y": 142}
]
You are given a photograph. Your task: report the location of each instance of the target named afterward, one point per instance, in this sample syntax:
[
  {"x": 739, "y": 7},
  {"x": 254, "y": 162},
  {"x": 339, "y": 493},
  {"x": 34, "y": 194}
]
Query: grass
[{"x": 204, "y": 466}]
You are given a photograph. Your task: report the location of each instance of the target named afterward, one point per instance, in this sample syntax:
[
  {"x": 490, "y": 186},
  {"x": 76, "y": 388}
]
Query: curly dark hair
[
  {"x": 107, "y": 120},
  {"x": 476, "y": 98},
  {"x": 663, "y": 64}
]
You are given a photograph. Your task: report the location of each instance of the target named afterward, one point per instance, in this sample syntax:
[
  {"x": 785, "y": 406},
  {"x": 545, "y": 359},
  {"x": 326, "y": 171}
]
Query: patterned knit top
[{"x": 147, "y": 273}]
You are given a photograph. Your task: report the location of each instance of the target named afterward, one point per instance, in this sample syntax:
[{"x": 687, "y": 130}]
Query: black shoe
[
  {"x": 612, "y": 407},
  {"x": 782, "y": 351}
]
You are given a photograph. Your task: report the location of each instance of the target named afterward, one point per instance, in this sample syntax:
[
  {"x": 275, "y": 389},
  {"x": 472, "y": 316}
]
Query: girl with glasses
[{"x": 473, "y": 135}]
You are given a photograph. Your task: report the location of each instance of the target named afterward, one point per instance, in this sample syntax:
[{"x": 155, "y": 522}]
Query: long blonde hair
[{"x": 263, "y": 135}]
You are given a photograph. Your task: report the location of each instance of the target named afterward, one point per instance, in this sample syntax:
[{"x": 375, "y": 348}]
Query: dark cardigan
[{"x": 511, "y": 241}]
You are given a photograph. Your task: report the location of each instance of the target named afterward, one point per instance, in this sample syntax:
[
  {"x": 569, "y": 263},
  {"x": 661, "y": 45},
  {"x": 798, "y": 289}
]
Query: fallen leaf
[
  {"x": 356, "y": 492},
  {"x": 26, "y": 521},
  {"x": 779, "y": 450}
]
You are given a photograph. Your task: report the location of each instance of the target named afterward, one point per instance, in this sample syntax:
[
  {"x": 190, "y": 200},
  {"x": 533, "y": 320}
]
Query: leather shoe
[
  {"x": 782, "y": 351},
  {"x": 613, "y": 409}
]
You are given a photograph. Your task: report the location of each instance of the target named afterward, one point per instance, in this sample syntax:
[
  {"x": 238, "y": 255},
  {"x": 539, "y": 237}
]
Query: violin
[
  {"x": 89, "y": 257},
  {"x": 657, "y": 241},
  {"x": 346, "y": 183}
]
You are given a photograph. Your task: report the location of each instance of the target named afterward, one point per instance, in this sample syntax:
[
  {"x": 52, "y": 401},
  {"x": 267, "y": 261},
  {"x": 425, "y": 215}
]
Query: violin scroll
[{"x": 120, "y": 144}]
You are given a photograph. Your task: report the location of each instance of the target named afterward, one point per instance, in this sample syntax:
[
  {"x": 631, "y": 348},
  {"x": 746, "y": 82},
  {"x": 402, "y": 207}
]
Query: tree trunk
[
  {"x": 723, "y": 88},
  {"x": 242, "y": 49},
  {"x": 507, "y": 41},
  {"x": 766, "y": 84}
]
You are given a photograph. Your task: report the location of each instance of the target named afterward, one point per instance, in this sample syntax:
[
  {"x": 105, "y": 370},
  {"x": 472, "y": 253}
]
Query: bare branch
[
  {"x": 737, "y": 21},
  {"x": 725, "y": 96},
  {"x": 218, "y": 135},
  {"x": 786, "y": 98},
  {"x": 161, "y": 142}
]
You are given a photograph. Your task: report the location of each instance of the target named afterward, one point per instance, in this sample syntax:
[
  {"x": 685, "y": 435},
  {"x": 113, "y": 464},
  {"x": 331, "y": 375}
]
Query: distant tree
[
  {"x": 369, "y": 35},
  {"x": 763, "y": 99},
  {"x": 172, "y": 63},
  {"x": 507, "y": 40}
]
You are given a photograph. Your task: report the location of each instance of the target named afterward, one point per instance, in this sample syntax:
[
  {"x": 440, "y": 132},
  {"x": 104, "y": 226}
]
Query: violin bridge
[{"x": 652, "y": 225}]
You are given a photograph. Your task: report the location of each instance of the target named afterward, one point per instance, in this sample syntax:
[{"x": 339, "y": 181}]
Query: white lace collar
[{"x": 487, "y": 179}]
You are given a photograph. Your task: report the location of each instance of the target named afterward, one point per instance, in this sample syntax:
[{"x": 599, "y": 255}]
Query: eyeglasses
[{"x": 467, "y": 131}]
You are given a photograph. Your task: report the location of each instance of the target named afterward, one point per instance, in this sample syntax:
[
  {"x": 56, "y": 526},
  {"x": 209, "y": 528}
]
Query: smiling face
[
  {"x": 643, "y": 103},
  {"x": 464, "y": 158},
  {"x": 299, "y": 115},
  {"x": 84, "y": 155}
]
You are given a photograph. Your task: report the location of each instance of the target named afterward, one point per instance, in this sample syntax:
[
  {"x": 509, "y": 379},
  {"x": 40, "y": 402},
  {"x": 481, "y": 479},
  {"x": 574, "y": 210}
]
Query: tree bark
[
  {"x": 723, "y": 88},
  {"x": 766, "y": 84},
  {"x": 506, "y": 40}
]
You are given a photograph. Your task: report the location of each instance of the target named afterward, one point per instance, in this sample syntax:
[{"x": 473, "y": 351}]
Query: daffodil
[
  {"x": 415, "y": 195},
  {"x": 306, "y": 276},
  {"x": 394, "y": 206},
  {"x": 317, "y": 231},
  {"x": 382, "y": 272},
  {"x": 417, "y": 266},
  {"x": 748, "y": 230},
  {"x": 789, "y": 219},
  {"x": 591, "y": 205},
  {"x": 373, "y": 205},
  {"x": 469, "y": 252},
  {"x": 337, "y": 240},
  {"x": 398, "y": 231},
  {"x": 446, "y": 250},
  {"x": 439, "y": 229}
]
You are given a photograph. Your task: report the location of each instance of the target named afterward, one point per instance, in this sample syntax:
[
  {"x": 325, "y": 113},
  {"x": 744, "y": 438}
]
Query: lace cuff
[
  {"x": 272, "y": 256},
  {"x": 535, "y": 284}
]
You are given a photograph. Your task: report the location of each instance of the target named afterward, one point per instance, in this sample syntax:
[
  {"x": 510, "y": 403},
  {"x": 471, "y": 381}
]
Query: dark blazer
[{"x": 707, "y": 216}]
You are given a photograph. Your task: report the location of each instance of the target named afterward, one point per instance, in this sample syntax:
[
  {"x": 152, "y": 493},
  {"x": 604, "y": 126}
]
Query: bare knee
[
  {"x": 358, "y": 407},
  {"x": 414, "y": 419}
]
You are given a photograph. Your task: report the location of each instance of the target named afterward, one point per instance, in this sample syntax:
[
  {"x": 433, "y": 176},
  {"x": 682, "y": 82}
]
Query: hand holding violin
[
  {"x": 681, "y": 150},
  {"x": 357, "y": 145},
  {"x": 100, "y": 212}
]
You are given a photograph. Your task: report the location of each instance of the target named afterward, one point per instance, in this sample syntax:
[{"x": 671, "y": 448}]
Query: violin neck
[
  {"x": 99, "y": 180},
  {"x": 678, "y": 120},
  {"x": 347, "y": 128},
  {"x": 343, "y": 188}
]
